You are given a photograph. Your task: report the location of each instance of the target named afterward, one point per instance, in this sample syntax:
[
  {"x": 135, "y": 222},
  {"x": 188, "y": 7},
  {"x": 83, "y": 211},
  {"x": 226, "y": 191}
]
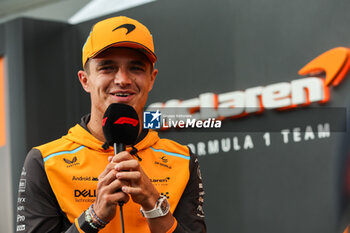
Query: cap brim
[{"x": 130, "y": 44}]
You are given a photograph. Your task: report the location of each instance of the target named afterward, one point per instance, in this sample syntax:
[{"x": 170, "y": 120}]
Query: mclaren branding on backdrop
[
  {"x": 211, "y": 108},
  {"x": 335, "y": 63}
]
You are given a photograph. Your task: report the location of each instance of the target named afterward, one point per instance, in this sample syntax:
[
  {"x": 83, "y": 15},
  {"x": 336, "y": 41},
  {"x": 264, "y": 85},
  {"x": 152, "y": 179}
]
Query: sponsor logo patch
[
  {"x": 20, "y": 218},
  {"x": 71, "y": 163},
  {"x": 21, "y": 227},
  {"x": 85, "y": 195},
  {"x": 84, "y": 178},
  {"x": 166, "y": 194},
  {"x": 160, "y": 182},
  {"x": 22, "y": 185},
  {"x": 163, "y": 162}
]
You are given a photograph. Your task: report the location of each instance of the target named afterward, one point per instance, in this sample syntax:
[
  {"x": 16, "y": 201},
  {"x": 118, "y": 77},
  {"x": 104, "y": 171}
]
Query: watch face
[{"x": 164, "y": 205}]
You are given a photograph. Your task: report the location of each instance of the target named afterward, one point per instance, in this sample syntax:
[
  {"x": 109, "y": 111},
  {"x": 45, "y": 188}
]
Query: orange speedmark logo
[{"x": 335, "y": 63}]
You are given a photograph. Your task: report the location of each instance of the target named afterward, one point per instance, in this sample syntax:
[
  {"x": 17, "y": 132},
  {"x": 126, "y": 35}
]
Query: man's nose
[{"x": 122, "y": 78}]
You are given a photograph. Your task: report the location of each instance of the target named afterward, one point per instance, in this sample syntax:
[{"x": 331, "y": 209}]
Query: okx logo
[{"x": 152, "y": 120}]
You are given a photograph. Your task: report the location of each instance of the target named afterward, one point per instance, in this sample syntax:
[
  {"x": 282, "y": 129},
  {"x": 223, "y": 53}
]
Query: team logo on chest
[{"x": 161, "y": 182}]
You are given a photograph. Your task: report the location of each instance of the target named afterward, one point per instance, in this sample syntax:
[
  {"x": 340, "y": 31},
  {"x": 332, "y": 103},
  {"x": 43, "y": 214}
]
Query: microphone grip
[{"x": 119, "y": 147}]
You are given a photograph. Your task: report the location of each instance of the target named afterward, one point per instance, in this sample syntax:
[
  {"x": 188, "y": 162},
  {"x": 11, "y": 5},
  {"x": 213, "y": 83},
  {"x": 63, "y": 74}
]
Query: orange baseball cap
[{"x": 119, "y": 31}]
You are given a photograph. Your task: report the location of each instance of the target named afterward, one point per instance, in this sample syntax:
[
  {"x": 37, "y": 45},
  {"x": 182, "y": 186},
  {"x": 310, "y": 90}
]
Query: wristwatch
[
  {"x": 161, "y": 209},
  {"x": 85, "y": 224}
]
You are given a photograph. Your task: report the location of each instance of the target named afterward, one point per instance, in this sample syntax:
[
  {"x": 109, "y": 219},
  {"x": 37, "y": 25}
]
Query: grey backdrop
[{"x": 205, "y": 46}]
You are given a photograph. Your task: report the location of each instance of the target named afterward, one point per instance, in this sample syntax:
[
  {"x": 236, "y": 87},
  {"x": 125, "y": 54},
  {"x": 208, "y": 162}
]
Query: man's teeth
[{"x": 122, "y": 94}]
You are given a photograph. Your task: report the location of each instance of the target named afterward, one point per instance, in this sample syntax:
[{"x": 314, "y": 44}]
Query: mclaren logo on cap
[{"x": 129, "y": 27}]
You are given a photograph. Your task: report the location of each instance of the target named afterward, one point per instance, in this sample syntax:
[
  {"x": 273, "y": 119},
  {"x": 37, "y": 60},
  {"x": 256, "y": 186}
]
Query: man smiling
[
  {"x": 159, "y": 179},
  {"x": 117, "y": 75}
]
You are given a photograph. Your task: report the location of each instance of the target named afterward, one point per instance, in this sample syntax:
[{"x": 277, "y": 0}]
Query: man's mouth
[{"x": 122, "y": 94}]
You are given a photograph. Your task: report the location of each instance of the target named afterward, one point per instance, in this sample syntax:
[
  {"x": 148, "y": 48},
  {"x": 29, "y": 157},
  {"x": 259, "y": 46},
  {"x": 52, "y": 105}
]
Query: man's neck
[{"x": 95, "y": 127}]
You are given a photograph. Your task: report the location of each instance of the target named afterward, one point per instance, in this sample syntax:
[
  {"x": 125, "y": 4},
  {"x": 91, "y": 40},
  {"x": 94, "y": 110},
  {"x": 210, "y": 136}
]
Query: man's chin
[{"x": 121, "y": 102}]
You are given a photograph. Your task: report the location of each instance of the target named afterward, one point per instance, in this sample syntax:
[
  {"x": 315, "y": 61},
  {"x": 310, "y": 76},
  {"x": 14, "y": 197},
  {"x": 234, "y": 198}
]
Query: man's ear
[
  {"x": 83, "y": 78},
  {"x": 153, "y": 78}
]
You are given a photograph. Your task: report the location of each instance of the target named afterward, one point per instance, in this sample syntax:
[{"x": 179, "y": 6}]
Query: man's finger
[
  {"x": 115, "y": 197},
  {"x": 109, "y": 167},
  {"x": 131, "y": 175},
  {"x": 122, "y": 156},
  {"x": 132, "y": 190},
  {"x": 116, "y": 185},
  {"x": 108, "y": 179},
  {"x": 127, "y": 165}
]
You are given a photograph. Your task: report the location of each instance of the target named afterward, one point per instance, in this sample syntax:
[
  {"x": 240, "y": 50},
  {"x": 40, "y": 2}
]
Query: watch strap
[
  {"x": 157, "y": 211},
  {"x": 85, "y": 225}
]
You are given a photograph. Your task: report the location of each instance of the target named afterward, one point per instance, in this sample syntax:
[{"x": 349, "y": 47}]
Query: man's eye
[
  {"x": 107, "y": 68},
  {"x": 138, "y": 68}
]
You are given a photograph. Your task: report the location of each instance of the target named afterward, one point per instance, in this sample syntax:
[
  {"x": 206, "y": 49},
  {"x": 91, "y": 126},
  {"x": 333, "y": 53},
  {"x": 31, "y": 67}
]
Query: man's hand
[
  {"x": 109, "y": 193},
  {"x": 129, "y": 176},
  {"x": 135, "y": 181}
]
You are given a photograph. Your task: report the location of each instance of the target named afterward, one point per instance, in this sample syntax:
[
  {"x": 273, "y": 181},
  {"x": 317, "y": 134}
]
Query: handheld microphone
[{"x": 120, "y": 127}]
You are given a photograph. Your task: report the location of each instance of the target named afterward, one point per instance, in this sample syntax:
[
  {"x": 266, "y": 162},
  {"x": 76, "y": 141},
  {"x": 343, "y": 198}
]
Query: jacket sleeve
[
  {"x": 37, "y": 206},
  {"x": 189, "y": 211}
]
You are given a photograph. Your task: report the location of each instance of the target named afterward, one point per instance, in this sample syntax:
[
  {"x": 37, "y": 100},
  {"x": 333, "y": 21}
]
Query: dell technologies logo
[{"x": 84, "y": 193}]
